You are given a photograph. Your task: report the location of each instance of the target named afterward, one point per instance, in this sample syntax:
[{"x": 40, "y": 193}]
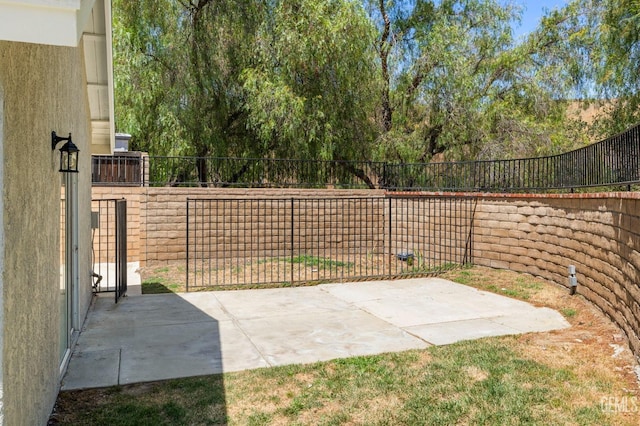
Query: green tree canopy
[
  {"x": 456, "y": 82},
  {"x": 389, "y": 80},
  {"x": 615, "y": 60},
  {"x": 177, "y": 67},
  {"x": 310, "y": 92}
]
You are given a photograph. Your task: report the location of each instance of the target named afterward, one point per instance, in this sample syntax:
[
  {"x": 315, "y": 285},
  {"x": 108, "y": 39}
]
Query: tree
[
  {"x": 616, "y": 61},
  {"x": 309, "y": 92},
  {"x": 147, "y": 73},
  {"x": 402, "y": 81},
  {"x": 461, "y": 86},
  {"x": 598, "y": 47},
  {"x": 177, "y": 66}
]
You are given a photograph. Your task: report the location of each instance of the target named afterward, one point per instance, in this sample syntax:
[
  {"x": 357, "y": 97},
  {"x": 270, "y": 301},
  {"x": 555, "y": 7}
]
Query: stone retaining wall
[
  {"x": 538, "y": 234},
  {"x": 543, "y": 234},
  {"x": 136, "y": 221},
  {"x": 262, "y": 228},
  {"x": 157, "y": 217}
]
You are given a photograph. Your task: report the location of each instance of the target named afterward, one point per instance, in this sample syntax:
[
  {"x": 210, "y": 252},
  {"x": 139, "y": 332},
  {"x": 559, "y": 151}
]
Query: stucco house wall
[{"x": 42, "y": 89}]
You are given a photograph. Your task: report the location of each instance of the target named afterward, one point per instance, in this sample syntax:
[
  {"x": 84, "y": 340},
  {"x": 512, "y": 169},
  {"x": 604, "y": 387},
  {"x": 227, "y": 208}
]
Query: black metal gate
[
  {"x": 251, "y": 242},
  {"x": 109, "y": 239}
]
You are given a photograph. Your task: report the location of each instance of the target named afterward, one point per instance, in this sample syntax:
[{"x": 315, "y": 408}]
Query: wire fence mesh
[{"x": 293, "y": 241}]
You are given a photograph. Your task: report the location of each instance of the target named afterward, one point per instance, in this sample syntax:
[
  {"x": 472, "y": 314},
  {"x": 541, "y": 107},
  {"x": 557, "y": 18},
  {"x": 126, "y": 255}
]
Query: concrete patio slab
[
  {"x": 431, "y": 301},
  {"x": 108, "y": 273},
  {"x": 306, "y": 338},
  {"x": 539, "y": 320},
  {"x": 93, "y": 368},
  {"x": 154, "y": 337},
  {"x": 250, "y": 304}
]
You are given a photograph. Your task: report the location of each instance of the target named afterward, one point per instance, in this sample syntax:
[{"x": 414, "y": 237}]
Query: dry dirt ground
[{"x": 300, "y": 270}]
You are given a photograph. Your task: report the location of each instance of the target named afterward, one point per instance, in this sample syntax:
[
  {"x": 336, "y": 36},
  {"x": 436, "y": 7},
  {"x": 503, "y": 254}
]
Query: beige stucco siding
[{"x": 43, "y": 89}]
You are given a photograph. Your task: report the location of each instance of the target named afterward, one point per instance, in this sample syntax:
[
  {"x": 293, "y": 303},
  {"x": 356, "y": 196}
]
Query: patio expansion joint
[
  {"x": 407, "y": 328},
  {"x": 353, "y": 303},
  {"x": 236, "y": 323},
  {"x": 119, "y": 365},
  {"x": 491, "y": 319},
  {"x": 415, "y": 336},
  {"x": 356, "y": 307}
]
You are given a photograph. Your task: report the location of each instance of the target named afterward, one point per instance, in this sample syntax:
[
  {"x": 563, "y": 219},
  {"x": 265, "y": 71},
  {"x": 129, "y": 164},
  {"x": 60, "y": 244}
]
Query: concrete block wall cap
[{"x": 524, "y": 195}]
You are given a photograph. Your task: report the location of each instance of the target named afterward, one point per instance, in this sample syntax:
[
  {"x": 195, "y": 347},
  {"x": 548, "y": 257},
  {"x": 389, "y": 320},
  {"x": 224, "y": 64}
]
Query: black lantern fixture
[{"x": 68, "y": 153}]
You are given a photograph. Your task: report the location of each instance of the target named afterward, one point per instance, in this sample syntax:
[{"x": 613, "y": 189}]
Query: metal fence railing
[
  {"x": 242, "y": 242},
  {"x": 109, "y": 246},
  {"x": 611, "y": 162},
  {"x": 262, "y": 172},
  {"x": 120, "y": 169}
]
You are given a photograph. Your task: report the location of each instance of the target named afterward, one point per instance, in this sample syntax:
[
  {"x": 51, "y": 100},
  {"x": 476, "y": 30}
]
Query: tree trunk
[
  {"x": 385, "y": 48},
  {"x": 201, "y": 165}
]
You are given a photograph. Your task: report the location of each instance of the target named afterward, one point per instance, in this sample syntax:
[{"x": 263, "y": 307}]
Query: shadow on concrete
[{"x": 149, "y": 338}]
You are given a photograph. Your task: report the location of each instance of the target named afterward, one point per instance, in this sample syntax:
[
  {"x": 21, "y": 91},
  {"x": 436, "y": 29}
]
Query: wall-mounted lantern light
[{"x": 68, "y": 153}]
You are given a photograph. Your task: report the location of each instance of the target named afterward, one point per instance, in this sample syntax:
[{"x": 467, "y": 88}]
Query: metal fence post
[
  {"x": 188, "y": 220},
  {"x": 390, "y": 236},
  {"x": 292, "y": 238}
]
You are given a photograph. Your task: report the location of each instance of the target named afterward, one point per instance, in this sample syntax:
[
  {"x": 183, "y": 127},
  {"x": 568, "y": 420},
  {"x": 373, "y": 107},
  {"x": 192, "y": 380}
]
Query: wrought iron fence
[
  {"x": 121, "y": 169},
  {"x": 612, "y": 162},
  {"x": 109, "y": 246},
  {"x": 262, "y": 172},
  {"x": 242, "y": 242}
]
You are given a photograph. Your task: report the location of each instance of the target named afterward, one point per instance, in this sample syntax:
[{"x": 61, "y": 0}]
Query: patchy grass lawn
[
  {"x": 162, "y": 279},
  {"x": 583, "y": 375},
  {"x": 279, "y": 272}
]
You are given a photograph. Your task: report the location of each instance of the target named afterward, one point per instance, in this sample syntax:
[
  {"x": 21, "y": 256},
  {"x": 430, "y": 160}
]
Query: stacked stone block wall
[
  {"x": 136, "y": 218},
  {"x": 536, "y": 234},
  {"x": 543, "y": 234},
  {"x": 157, "y": 217},
  {"x": 275, "y": 227},
  {"x": 434, "y": 229},
  {"x": 166, "y": 221}
]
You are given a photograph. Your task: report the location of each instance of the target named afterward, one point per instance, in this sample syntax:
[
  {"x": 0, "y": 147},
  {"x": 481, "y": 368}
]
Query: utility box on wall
[{"x": 95, "y": 220}]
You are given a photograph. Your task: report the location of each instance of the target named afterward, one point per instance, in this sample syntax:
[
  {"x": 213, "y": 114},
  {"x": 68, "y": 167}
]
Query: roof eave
[{"x": 50, "y": 22}]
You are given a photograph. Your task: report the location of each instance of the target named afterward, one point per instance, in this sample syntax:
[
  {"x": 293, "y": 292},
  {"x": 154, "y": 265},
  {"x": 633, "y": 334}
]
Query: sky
[{"x": 533, "y": 11}]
